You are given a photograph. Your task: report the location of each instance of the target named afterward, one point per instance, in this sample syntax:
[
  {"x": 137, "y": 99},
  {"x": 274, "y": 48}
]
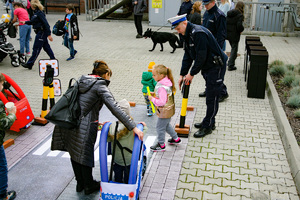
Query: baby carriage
[
  {"x": 6, "y": 48},
  {"x": 112, "y": 190}
]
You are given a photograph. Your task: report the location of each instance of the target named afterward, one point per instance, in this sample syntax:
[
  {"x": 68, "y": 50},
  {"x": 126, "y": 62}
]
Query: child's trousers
[{"x": 163, "y": 126}]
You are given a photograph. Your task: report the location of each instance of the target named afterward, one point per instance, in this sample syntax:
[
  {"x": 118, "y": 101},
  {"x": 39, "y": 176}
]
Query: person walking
[
  {"x": 215, "y": 21},
  {"x": 235, "y": 27},
  {"x": 80, "y": 141},
  {"x": 43, "y": 33},
  {"x": 202, "y": 49},
  {"x": 165, "y": 106},
  {"x": 195, "y": 16},
  {"x": 71, "y": 30},
  {"x": 139, "y": 6},
  {"x": 24, "y": 29},
  {"x": 6, "y": 121}
]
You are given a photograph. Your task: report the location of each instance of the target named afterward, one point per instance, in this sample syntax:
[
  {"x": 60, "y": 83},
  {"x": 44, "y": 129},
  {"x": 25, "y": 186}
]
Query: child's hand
[
  {"x": 152, "y": 93},
  {"x": 139, "y": 133},
  {"x": 144, "y": 124},
  {"x": 150, "y": 98}
]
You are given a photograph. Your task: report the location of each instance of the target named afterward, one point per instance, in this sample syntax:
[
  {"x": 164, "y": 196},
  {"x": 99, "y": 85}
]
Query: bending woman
[{"x": 79, "y": 142}]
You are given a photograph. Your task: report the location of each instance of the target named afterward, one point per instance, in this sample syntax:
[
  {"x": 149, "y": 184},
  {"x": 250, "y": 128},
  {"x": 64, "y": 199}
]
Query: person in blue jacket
[
  {"x": 185, "y": 8},
  {"x": 202, "y": 49},
  {"x": 215, "y": 21},
  {"x": 43, "y": 33}
]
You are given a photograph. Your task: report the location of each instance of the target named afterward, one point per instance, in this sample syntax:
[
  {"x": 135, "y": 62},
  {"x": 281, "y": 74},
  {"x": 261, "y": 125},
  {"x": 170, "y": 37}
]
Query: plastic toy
[
  {"x": 112, "y": 190},
  {"x": 5, "y": 18},
  {"x": 24, "y": 113}
]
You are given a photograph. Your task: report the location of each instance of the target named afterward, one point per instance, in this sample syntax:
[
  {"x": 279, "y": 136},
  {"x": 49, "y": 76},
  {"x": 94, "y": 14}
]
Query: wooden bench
[{"x": 62, "y": 4}]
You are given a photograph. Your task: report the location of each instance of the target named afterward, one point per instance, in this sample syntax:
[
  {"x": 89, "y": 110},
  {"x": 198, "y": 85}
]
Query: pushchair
[{"x": 6, "y": 48}]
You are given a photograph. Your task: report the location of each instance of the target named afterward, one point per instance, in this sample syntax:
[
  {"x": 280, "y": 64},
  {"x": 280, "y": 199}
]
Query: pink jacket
[{"x": 162, "y": 93}]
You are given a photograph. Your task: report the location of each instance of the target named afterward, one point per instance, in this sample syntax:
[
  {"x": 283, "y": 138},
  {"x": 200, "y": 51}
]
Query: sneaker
[
  {"x": 149, "y": 114},
  {"x": 172, "y": 141},
  {"x": 158, "y": 147},
  {"x": 25, "y": 65},
  {"x": 70, "y": 58},
  {"x": 231, "y": 68},
  {"x": 11, "y": 195},
  {"x": 28, "y": 54}
]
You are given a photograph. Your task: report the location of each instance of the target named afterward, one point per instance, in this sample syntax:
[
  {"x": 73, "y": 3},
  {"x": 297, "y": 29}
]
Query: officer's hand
[
  {"x": 188, "y": 79},
  {"x": 74, "y": 37},
  {"x": 180, "y": 82},
  {"x": 50, "y": 38}
]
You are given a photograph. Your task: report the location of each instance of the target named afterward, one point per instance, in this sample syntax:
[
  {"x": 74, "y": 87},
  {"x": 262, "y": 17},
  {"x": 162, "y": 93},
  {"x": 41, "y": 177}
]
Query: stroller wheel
[
  {"x": 15, "y": 63},
  {"x": 22, "y": 59}
]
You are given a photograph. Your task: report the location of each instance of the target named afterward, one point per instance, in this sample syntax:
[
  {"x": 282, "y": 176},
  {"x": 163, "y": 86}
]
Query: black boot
[
  {"x": 90, "y": 185},
  {"x": 78, "y": 175}
]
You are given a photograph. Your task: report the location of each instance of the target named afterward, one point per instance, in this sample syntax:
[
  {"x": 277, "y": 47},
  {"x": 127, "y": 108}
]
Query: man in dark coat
[
  {"x": 139, "y": 6},
  {"x": 202, "y": 49},
  {"x": 235, "y": 27},
  {"x": 215, "y": 21}
]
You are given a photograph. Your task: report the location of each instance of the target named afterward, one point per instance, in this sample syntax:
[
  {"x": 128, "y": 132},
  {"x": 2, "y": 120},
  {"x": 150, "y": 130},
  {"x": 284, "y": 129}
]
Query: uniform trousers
[
  {"x": 41, "y": 41},
  {"x": 214, "y": 78}
]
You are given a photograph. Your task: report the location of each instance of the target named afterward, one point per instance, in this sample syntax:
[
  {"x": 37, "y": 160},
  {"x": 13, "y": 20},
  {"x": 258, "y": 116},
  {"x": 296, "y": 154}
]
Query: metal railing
[
  {"x": 271, "y": 17},
  {"x": 94, "y": 8}
]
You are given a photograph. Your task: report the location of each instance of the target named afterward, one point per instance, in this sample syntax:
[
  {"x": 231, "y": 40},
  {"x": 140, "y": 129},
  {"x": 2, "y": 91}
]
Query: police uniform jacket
[
  {"x": 185, "y": 8},
  {"x": 215, "y": 21},
  {"x": 79, "y": 142},
  {"x": 200, "y": 47},
  {"x": 39, "y": 22}
]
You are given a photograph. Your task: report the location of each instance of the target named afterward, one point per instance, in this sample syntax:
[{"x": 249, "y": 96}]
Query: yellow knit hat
[{"x": 150, "y": 66}]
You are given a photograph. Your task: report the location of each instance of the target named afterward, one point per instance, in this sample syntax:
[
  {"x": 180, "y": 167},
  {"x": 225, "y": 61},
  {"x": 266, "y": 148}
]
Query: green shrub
[
  {"x": 290, "y": 67},
  {"x": 288, "y": 79},
  {"x": 295, "y": 91},
  {"x": 278, "y": 70},
  {"x": 276, "y": 62},
  {"x": 289, "y": 73},
  {"x": 297, "y": 113},
  {"x": 293, "y": 101},
  {"x": 296, "y": 82}
]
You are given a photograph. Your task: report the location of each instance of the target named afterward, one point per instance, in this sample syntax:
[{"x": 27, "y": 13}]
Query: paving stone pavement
[{"x": 242, "y": 157}]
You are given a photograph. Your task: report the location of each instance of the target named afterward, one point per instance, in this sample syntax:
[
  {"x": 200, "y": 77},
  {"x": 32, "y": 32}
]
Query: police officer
[
  {"x": 202, "y": 49},
  {"x": 43, "y": 33},
  {"x": 215, "y": 21}
]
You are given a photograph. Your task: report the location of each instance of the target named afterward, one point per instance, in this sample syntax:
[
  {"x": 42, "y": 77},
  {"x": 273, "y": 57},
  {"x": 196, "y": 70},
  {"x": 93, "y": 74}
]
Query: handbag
[{"x": 12, "y": 31}]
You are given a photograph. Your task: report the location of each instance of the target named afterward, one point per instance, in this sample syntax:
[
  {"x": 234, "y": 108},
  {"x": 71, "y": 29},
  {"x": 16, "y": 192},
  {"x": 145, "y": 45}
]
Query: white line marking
[
  {"x": 53, "y": 153},
  {"x": 149, "y": 142},
  {"x": 43, "y": 148}
]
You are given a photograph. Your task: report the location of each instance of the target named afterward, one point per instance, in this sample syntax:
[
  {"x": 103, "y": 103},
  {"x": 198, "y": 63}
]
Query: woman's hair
[
  {"x": 37, "y": 4},
  {"x": 101, "y": 68},
  {"x": 18, "y": 4},
  {"x": 196, "y": 7},
  {"x": 161, "y": 69},
  {"x": 70, "y": 7},
  {"x": 240, "y": 6},
  {"x": 2, "y": 78}
]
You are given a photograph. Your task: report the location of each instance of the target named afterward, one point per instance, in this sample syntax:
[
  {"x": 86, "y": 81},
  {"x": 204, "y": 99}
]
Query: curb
[
  {"x": 8, "y": 143},
  {"x": 287, "y": 135}
]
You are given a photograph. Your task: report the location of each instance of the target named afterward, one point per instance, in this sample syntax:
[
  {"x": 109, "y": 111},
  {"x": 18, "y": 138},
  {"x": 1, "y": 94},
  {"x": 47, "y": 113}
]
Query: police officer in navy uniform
[
  {"x": 202, "y": 49},
  {"x": 215, "y": 21}
]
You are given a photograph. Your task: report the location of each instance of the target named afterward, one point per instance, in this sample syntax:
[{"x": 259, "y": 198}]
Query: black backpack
[
  {"x": 66, "y": 112},
  {"x": 58, "y": 28},
  {"x": 12, "y": 31}
]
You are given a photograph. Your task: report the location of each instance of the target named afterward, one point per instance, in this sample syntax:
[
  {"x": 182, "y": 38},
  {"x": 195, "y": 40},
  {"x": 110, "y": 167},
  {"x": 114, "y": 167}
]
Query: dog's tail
[{"x": 180, "y": 43}]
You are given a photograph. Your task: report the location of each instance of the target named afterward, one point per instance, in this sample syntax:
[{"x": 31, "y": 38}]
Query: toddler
[
  {"x": 147, "y": 80},
  {"x": 121, "y": 167},
  {"x": 165, "y": 106}
]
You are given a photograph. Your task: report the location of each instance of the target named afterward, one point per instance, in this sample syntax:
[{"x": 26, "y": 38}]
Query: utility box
[{"x": 161, "y": 10}]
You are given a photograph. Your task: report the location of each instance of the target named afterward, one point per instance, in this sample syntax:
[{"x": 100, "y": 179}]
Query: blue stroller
[{"x": 112, "y": 190}]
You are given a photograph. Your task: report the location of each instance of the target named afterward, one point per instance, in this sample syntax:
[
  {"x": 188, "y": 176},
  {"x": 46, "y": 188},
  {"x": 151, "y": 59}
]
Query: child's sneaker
[
  {"x": 172, "y": 141},
  {"x": 158, "y": 147},
  {"x": 10, "y": 195}
]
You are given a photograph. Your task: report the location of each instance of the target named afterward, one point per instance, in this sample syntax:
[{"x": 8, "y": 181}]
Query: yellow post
[{"x": 149, "y": 94}]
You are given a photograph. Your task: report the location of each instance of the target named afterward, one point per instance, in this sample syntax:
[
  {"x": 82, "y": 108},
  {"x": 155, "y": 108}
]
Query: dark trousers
[
  {"x": 83, "y": 174},
  {"x": 138, "y": 24},
  {"x": 214, "y": 82},
  {"x": 3, "y": 173},
  {"x": 121, "y": 174},
  {"x": 40, "y": 41},
  {"x": 233, "y": 53}
]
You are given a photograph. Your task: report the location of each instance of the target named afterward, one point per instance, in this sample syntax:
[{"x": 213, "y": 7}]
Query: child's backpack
[
  {"x": 58, "y": 28},
  {"x": 66, "y": 112}
]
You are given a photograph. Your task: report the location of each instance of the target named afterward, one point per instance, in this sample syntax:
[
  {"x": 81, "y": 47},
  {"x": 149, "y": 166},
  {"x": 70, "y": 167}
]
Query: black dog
[{"x": 162, "y": 37}]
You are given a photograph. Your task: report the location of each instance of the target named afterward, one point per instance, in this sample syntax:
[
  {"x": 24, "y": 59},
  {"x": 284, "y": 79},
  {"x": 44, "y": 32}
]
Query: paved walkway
[{"x": 242, "y": 157}]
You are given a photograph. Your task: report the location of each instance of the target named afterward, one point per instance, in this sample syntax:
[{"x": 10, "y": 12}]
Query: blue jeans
[
  {"x": 40, "y": 41},
  {"x": 3, "y": 173},
  {"x": 25, "y": 31},
  {"x": 68, "y": 42}
]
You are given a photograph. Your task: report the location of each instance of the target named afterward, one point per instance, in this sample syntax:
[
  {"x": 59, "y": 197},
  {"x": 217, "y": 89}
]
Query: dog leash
[{"x": 160, "y": 27}]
